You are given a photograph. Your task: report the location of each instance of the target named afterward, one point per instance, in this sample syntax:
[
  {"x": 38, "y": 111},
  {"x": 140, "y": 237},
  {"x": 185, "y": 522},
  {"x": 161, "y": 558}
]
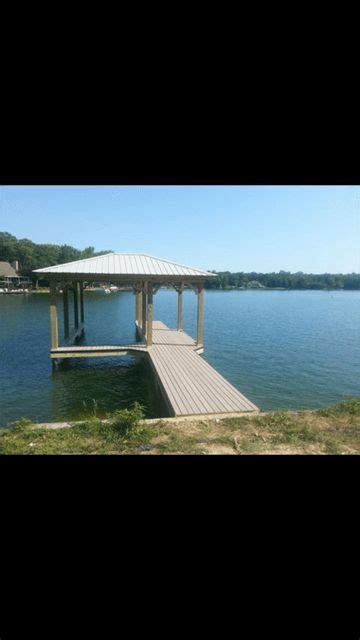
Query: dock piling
[
  {"x": 53, "y": 318},
  {"x": 150, "y": 315},
  {"x": 81, "y": 287},
  {"x": 143, "y": 321},
  {"x": 180, "y": 307},
  {"x": 200, "y": 315},
  {"x": 76, "y": 305},
  {"x": 66, "y": 311}
]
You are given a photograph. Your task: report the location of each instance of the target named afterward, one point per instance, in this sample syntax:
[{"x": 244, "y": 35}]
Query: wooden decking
[
  {"x": 163, "y": 335},
  {"x": 79, "y": 351},
  {"x": 189, "y": 384}
]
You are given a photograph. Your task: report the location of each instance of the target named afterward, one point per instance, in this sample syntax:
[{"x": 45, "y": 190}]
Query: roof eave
[{"x": 125, "y": 276}]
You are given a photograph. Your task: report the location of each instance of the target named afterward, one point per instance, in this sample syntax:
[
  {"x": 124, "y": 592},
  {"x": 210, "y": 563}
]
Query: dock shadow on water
[{"x": 88, "y": 387}]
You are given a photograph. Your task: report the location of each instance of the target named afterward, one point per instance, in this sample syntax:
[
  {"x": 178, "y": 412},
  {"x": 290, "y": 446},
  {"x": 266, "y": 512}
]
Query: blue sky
[{"x": 239, "y": 228}]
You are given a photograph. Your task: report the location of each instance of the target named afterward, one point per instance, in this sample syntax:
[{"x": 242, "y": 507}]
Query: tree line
[
  {"x": 284, "y": 280},
  {"x": 32, "y": 255}
]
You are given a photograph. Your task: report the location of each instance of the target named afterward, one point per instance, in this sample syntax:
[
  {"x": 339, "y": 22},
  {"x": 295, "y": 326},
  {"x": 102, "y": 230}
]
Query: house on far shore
[
  {"x": 9, "y": 278},
  {"x": 254, "y": 284}
]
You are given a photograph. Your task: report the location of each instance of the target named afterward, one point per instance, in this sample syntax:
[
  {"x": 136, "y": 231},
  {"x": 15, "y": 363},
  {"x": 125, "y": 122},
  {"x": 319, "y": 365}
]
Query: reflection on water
[{"x": 282, "y": 349}]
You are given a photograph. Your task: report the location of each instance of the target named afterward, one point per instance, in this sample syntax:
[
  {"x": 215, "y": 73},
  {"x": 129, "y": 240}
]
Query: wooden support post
[
  {"x": 200, "y": 314},
  {"x": 150, "y": 315},
  {"x": 138, "y": 308},
  {"x": 53, "y": 317},
  {"x": 76, "y": 304},
  {"x": 66, "y": 310},
  {"x": 143, "y": 321},
  {"x": 180, "y": 308},
  {"x": 81, "y": 287}
]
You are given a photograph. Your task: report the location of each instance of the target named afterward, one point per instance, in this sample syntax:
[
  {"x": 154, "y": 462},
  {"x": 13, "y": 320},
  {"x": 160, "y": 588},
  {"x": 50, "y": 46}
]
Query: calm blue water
[{"x": 282, "y": 349}]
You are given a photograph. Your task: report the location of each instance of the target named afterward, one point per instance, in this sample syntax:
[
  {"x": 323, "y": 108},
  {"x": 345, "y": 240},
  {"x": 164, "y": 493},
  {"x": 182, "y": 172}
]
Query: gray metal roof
[{"x": 123, "y": 264}]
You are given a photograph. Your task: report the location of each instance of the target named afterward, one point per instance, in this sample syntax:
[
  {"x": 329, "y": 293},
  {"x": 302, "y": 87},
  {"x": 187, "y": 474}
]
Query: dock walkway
[{"x": 190, "y": 385}]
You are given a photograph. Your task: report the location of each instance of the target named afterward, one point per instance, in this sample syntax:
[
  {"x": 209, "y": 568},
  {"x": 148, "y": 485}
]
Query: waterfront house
[{"x": 10, "y": 278}]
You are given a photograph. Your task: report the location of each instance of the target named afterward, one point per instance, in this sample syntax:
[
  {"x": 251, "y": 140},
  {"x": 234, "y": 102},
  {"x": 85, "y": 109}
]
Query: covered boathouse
[{"x": 189, "y": 385}]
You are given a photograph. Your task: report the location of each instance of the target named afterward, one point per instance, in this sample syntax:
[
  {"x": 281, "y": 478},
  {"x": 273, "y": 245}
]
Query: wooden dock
[
  {"x": 79, "y": 351},
  {"x": 189, "y": 384}
]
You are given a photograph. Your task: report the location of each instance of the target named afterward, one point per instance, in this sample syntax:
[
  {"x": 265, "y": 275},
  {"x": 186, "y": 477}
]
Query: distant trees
[
  {"x": 35, "y": 256},
  {"x": 285, "y": 280},
  {"x": 351, "y": 281},
  {"x": 67, "y": 254}
]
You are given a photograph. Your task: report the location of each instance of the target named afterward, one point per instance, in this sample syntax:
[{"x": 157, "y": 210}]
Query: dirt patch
[
  {"x": 218, "y": 449},
  {"x": 160, "y": 439}
]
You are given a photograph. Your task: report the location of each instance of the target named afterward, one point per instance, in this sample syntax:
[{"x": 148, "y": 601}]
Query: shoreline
[
  {"x": 94, "y": 290},
  {"x": 334, "y": 430}
]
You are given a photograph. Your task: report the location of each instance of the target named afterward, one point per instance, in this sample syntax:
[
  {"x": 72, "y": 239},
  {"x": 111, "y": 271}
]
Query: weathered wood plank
[
  {"x": 163, "y": 335},
  {"x": 177, "y": 385},
  {"x": 180, "y": 308},
  {"x": 143, "y": 315},
  {"x": 66, "y": 311},
  {"x": 198, "y": 386},
  {"x": 138, "y": 308},
  {"x": 175, "y": 407},
  {"x": 53, "y": 318},
  {"x": 200, "y": 314},
  {"x": 76, "y": 304},
  {"x": 149, "y": 337},
  {"x": 94, "y": 348},
  {"x": 206, "y": 386},
  {"x": 81, "y": 289},
  {"x": 188, "y": 382},
  {"x": 98, "y": 354},
  {"x": 183, "y": 388}
]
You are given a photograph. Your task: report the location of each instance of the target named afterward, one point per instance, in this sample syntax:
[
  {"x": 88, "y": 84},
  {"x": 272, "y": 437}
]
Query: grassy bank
[{"x": 335, "y": 430}]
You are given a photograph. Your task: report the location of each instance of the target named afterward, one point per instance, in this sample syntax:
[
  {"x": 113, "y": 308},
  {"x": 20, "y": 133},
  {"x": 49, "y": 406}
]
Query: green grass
[
  {"x": 122, "y": 431},
  {"x": 334, "y": 430},
  {"x": 349, "y": 406}
]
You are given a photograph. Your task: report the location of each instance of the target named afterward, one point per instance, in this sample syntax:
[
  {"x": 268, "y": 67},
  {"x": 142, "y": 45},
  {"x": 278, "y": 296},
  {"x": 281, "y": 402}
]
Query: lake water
[{"x": 282, "y": 349}]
